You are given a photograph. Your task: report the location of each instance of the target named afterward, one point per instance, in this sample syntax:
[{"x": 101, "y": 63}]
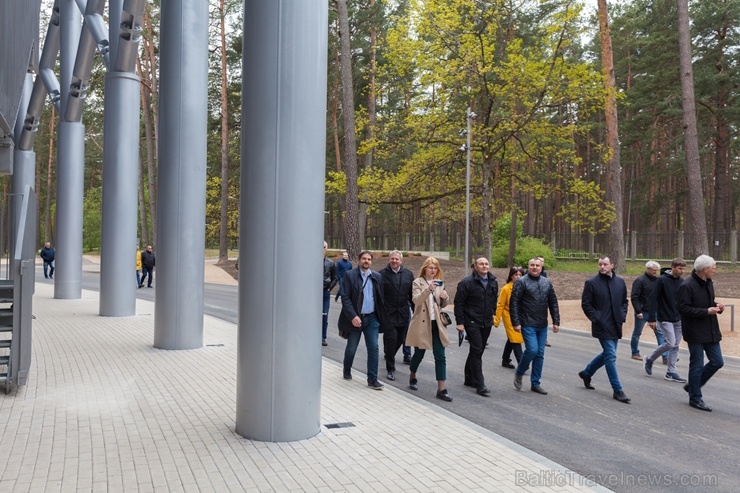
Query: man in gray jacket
[{"x": 531, "y": 298}]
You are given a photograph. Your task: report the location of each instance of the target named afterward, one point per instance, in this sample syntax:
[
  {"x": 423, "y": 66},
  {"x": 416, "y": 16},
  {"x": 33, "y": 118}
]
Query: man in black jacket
[
  {"x": 363, "y": 313},
  {"x": 47, "y": 255},
  {"x": 397, "y": 282},
  {"x": 699, "y": 311},
  {"x": 664, "y": 307},
  {"x": 531, "y": 298},
  {"x": 642, "y": 288},
  {"x": 604, "y": 301},
  {"x": 330, "y": 280},
  {"x": 147, "y": 266},
  {"x": 475, "y": 305}
]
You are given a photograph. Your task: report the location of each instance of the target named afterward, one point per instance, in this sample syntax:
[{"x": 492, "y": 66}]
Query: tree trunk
[
  {"x": 223, "y": 252},
  {"x": 696, "y": 243},
  {"x": 147, "y": 236},
  {"x": 371, "y": 119},
  {"x": 142, "y": 206},
  {"x": 351, "y": 216},
  {"x": 613, "y": 167},
  {"x": 151, "y": 112},
  {"x": 49, "y": 172}
]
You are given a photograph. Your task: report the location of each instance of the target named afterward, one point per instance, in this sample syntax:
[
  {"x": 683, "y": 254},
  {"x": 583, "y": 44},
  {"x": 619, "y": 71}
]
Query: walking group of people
[{"x": 408, "y": 310}]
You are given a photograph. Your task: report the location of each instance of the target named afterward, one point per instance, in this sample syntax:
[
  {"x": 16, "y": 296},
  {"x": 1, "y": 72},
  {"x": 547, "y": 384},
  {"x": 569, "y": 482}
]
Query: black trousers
[
  {"x": 477, "y": 337},
  {"x": 508, "y": 348},
  {"x": 393, "y": 339}
]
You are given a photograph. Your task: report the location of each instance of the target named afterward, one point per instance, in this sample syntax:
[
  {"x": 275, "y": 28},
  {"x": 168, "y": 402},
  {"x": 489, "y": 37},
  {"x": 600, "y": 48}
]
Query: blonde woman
[{"x": 426, "y": 330}]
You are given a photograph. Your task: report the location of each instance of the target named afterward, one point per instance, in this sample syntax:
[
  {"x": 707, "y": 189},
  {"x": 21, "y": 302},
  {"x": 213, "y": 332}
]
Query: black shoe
[
  {"x": 348, "y": 374},
  {"x": 586, "y": 380},
  {"x": 469, "y": 384},
  {"x": 149, "y": 286},
  {"x": 442, "y": 394},
  {"x": 391, "y": 375},
  {"x": 484, "y": 391},
  {"x": 539, "y": 390},
  {"x": 51, "y": 277},
  {"x": 517, "y": 381},
  {"x": 686, "y": 387},
  {"x": 621, "y": 397},
  {"x": 548, "y": 344},
  {"x": 141, "y": 286},
  {"x": 407, "y": 360},
  {"x": 375, "y": 385},
  {"x": 413, "y": 384},
  {"x": 507, "y": 364},
  {"x": 700, "y": 405},
  {"x": 46, "y": 277},
  {"x": 323, "y": 342}
]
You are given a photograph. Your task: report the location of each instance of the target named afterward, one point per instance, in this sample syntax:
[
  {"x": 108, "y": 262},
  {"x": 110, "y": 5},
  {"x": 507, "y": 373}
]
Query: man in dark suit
[
  {"x": 362, "y": 313},
  {"x": 397, "y": 282},
  {"x": 604, "y": 301}
]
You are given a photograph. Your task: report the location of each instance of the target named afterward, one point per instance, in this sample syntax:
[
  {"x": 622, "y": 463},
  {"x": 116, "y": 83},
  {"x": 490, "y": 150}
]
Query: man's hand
[
  {"x": 357, "y": 321},
  {"x": 714, "y": 310},
  {"x": 460, "y": 328},
  {"x": 639, "y": 316},
  {"x": 518, "y": 328},
  {"x": 555, "y": 329}
]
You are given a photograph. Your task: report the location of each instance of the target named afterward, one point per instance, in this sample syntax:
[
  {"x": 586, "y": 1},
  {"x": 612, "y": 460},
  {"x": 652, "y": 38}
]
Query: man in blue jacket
[
  {"x": 604, "y": 301},
  {"x": 47, "y": 255},
  {"x": 343, "y": 265}
]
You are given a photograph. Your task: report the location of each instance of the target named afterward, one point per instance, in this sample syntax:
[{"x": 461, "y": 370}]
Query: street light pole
[{"x": 469, "y": 115}]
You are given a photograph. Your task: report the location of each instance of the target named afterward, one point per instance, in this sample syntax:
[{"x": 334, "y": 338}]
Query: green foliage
[
  {"x": 527, "y": 248},
  {"x": 92, "y": 221},
  {"x": 502, "y": 231}
]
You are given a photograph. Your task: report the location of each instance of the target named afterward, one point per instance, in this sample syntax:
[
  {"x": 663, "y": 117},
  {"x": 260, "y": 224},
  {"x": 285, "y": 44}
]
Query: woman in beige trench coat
[{"x": 426, "y": 330}]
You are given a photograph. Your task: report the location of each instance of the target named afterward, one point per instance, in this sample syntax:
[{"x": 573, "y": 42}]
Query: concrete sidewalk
[{"x": 105, "y": 411}]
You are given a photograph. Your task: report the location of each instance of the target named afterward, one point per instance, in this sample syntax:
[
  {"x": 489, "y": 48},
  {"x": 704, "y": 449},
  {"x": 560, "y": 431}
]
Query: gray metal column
[
  {"x": 120, "y": 168},
  {"x": 120, "y": 189},
  {"x": 278, "y": 393},
  {"x": 70, "y": 167},
  {"x": 181, "y": 189}
]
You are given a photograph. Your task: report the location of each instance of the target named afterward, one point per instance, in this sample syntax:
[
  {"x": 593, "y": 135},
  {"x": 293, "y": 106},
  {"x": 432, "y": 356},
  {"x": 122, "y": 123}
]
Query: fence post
[
  {"x": 591, "y": 240},
  {"x": 431, "y": 241},
  {"x": 733, "y": 247},
  {"x": 633, "y": 244},
  {"x": 408, "y": 241},
  {"x": 681, "y": 241},
  {"x": 385, "y": 242},
  {"x": 552, "y": 242},
  {"x": 457, "y": 244}
]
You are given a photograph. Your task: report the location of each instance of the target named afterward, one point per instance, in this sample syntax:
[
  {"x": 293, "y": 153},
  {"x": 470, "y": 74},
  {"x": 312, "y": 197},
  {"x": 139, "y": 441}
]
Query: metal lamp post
[{"x": 470, "y": 116}]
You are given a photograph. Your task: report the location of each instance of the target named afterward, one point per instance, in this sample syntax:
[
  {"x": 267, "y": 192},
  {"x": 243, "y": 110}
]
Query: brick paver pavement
[{"x": 105, "y": 411}]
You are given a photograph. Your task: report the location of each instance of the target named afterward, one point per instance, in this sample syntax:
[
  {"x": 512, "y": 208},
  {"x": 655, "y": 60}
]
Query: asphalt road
[{"x": 657, "y": 443}]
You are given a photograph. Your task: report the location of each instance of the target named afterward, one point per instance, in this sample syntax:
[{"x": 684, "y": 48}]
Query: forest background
[{"x": 530, "y": 71}]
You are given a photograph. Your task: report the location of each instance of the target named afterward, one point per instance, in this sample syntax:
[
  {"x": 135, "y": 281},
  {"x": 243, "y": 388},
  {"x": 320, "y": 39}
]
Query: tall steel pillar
[
  {"x": 70, "y": 167},
  {"x": 181, "y": 189},
  {"x": 120, "y": 166},
  {"x": 24, "y": 167},
  {"x": 282, "y": 219}
]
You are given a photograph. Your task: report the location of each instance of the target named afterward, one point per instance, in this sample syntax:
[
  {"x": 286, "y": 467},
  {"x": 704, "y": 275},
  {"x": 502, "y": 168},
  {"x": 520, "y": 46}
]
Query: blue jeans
[
  {"x": 608, "y": 359},
  {"x": 370, "y": 329},
  {"x": 147, "y": 271},
  {"x": 48, "y": 266},
  {"x": 325, "y": 313},
  {"x": 699, "y": 373},
  {"x": 637, "y": 332},
  {"x": 138, "y": 277},
  {"x": 534, "y": 352}
]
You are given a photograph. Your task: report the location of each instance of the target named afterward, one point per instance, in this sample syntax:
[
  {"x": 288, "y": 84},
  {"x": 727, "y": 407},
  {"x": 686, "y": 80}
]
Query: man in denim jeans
[
  {"x": 531, "y": 297},
  {"x": 604, "y": 301},
  {"x": 642, "y": 288},
  {"x": 363, "y": 314},
  {"x": 699, "y": 312}
]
